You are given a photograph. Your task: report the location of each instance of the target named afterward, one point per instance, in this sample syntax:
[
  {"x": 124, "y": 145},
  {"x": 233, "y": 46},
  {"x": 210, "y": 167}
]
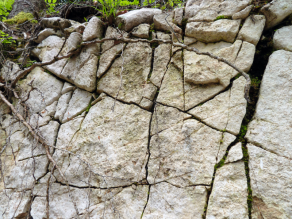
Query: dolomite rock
[
  {"x": 220, "y": 30},
  {"x": 62, "y": 105},
  {"x": 160, "y": 62},
  {"x": 112, "y": 32},
  {"x": 9, "y": 71},
  {"x": 38, "y": 121},
  {"x": 243, "y": 13},
  {"x": 168, "y": 201},
  {"x": 229, "y": 194},
  {"x": 2, "y": 138},
  {"x": 235, "y": 153},
  {"x": 108, "y": 57},
  {"x": 276, "y": 11},
  {"x": 272, "y": 124},
  {"x": 48, "y": 89},
  {"x": 146, "y": 104},
  {"x": 163, "y": 36},
  {"x": 79, "y": 28},
  {"x": 171, "y": 92},
  {"x": 46, "y": 33},
  {"x": 252, "y": 29},
  {"x": 67, "y": 87},
  {"x": 136, "y": 17},
  {"x": 141, "y": 31},
  {"x": 113, "y": 142},
  {"x": 55, "y": 22},
  {"x": 161, "y": 24},
  {"x": 79, "y": 102},
  {"x": 165, "y": 117},
  {"x": 270, "y": 183},
  {"x": 189, "y": 40},
  {"x": 178, "y": 16},
  {"x": 245, "y": 56},
  {"x": 226, "y": 111},
  {"x": 49, "y": 110},
  {"x": 184, "y": 154},
  {"x": 283, "y": 38},
  {"x": 136, "y": 63},
  {"x": 226, "y": 140},
  {"x": 93, "y": 30},
  {"x": 73, "y": 42}
]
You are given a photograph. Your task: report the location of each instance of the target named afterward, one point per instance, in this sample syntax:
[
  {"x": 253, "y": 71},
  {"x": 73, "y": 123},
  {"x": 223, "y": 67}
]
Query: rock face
[{"x": 283, "y": 38}]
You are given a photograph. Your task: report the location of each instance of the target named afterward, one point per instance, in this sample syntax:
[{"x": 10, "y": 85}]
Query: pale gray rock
[
  {"x": 49, "y": 110},
  {"x": 79, "y": 28},
  {"x": 79, "y": 102},
  {"x": 9, "y": 71},
  {"x": 161, "y": 24},
  {"x": 172, "y": 89},
  {"x": 113, "y": 142},
  {"x": 270, "y": 181},
  {"x": 168, "y": 201},
  {"x": 245, "y": 56},
  {"x": 220, "y": 30},
  {"x": 141, "y": 31},
  {"x": 149, "y": 91},
  {"x": 226, "y": 111},
  {"x": 184, "y": 154},
  {"x": 136, "y": 62},
  {"x": 229, "y": 193},
  {"x": 62, "y": 105},
  {"x": 110, "y": 33},
  {"x": 204, "y": 15},
  {"x": 178, "y": 16},
  {"x": 46, "y": 33},
  {"x": 38, "y": 121},
  {"x": 160, "y": 62},
  {"x": 165, "y": 117},
  {"x": 189, "y": 40},
  {"x": 55, "y": 22},
  {"x": 67, "y": 87},
  {"x": 225, "y": 141},
  {"x": 163, "y": 36},
  {"x": 252, "y": 29},
  {"x": 146, "y": 103},
  {"x": 48, "y": 89},
  {"x": 73, "y": 42},
  {"x": 283, "y": 38},
  {"x": 235, "y": 153},
  {"x": 243, "y": 13},
  {"x": 135, "y": 17},
  {"x": 107, "y": 58},
  {"x": 276, "y": 11},
  {"x": 2, "y": 138},
  {"x": 93, "y": 30}
]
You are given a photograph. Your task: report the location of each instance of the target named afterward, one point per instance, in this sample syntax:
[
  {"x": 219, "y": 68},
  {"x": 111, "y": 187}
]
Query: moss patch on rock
[{"x": 21, "y": 18}]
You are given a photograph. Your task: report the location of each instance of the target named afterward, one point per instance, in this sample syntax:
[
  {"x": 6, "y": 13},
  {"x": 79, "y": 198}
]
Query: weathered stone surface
[
  {"x": 272, "y": 124},
  {"x": 146, "y": 103},
  {"x": 245, "y": 56},
  {"x": 93, "y": 30},
  {"x": 55, "y": 22},
  {"x": 243, "y": 13},
  {"x": 172, "y": 89},
  {"x": 283, "y": 38},
  {"x": 163, "y": 36},
  {"x": 9, "y": 71},
  {"x": 67, "y": 87},
  {"x": 184, "y": 154},
  {"x": 49, "y": 110},
  {"x": 62, "y": 105},
  {"x": 73, "y": 42},
  {"x": 38, "y": 121},
  {"x": 168, "y": 201},
  {"x": 134, "y": 18},
  {"x": 270, "y": 177},
  {"x": 161, "y": 24},
  {"x": 226, "y": 140},
  {"x": 76, "y": 27},
  {"x": 136, "y": 62},
  {"x": 48, "y": 89},
  {"x": 112, "y": 32},
  {"x": 189, "y": 40},
  {"x": 276, "y": 11},
  {"x": 46, "y": 33},
  {"x": 204, "y": 15},
  {"x": 178, "y": 16},
  {"x": 79, "y": 102},
  {"x": 220, "y": 30},
  {"x": 108, "y": 57},
  {"x": 235, "y": 153},
  {"x": 114, "y": 143},
  {"x": 160, "y": 62},
  {"x": 252, "y": 29},
  {"x": 141, "y": 31},
  {"x": 229, "y": 194}
]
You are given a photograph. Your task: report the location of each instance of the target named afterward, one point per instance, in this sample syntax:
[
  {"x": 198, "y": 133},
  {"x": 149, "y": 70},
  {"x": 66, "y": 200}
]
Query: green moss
[
  {"x": 222, "y": 17},
  {"x": 21, "y": 18},
  {"x": 152, "y": 28}
]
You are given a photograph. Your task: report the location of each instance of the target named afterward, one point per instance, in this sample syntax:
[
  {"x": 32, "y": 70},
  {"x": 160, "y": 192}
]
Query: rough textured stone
[
  {"x": 141, "y": 31},
  {"x": 46, "y": 33},
  {"x": 189, "y": 40},
  {"x": 226, "y": 140},
  {"x": 270, "y": 179},
  {"x": 168, "y": 201},
  {"x": 112, "y": 32},
  {"x": 48, "y": 89},
  {"x": 163, "y": 36},
  {"x": 79, "y": 102},
  {"x": 161, "y": 24},
  {"x": 117, "y": 154},
  {"x": 133, "y": 18},
  {"x": 220, "y": 30},
  {"x": 62, "y": 105},
  {"x": 252, "y": 29},
  {"x": 160, "y": 62},
  {"x": 136, "y": 62},
  {"x": 184, "y": 154},
  {"x": 49, "y": 110},
  {"x": 38, "y": 121},
  {"x": 229, "y": 194},
  {"x": 283, "y": 38},
  {"x": 243, "y": 13},
  {"x": 245, "y": 56},
  {"x": 55, "y": 22},
  {"x": 276, "y": 11},
  {"x": 93, "y": 30},
  {"x": 9, "y": 71},
  {"x": 67, "y": 87},
  {"x": 235, "y": 153},
  {"x": 178, "y": 16}
]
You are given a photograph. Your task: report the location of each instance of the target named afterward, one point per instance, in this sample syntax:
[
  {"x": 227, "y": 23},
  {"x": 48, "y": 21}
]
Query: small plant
[
  {"x": 5, "y": 39},
  {"x": 52, "y": 5},
  {"x": 5, "y": 8},
  {"x": 222, "y": 17}
]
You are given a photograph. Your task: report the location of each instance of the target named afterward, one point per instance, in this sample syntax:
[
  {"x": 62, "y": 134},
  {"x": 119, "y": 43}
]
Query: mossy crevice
[{"x": 20, "y": 18}]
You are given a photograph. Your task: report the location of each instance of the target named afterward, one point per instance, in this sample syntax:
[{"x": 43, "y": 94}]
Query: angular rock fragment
[
  {"x": 189, "y": 40},
  {"x": 9, "y": 71},
  {"x": 225, "y": 141},
  {"x": 38, "y": 121},
  {"x": 67, "y": 87},
  {"x": 245, "y": 56},
  {"x": 161, "y": 24},
  {"x": 141, "y": 31},
  {"x": 56, "y": 22},
  {"x": 110, "y": 33},
  {"x": 93, "y": 30},
  {"x": 282, "y": 38},
  {"x": 62, "y": 105},
  {"x": 243, "y": 13},
  {"x": 252, "y": 29},
  {"x": 229, "y": 194},
  {"x": 133, "y": 18},
  {"x": 146, "y": 103},
  {"x": 163, "y": 36},
  {"x": 235, "y": 153},
  {"x": 168, "y": 201},
  {"x": 49, "y": 110},
  {"x": 220, "y": 30},
  {"x": 46, "y": 33},
  {"x": 178, "y": 16}
]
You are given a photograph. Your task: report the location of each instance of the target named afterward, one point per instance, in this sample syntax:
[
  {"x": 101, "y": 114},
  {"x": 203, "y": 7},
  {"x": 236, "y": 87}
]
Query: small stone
[
  {"x": 67, "y": 87},
  {"x": 49, "y": 110},
  {"x": 243, "y": 13},
  {"x": 189, "y": 40},
  {"x": 93, "y": 30},
  {"x": 38, "y": 121},
  {"x": 146, "y": 103},
  {"x": 163, "y": 36},
  {"x": 235, "y": 153},
  {"x": 73, "y": 42},
  {"x": 283, "y": 38},
  {"x": 46, "y": 33},
  {"x": 161, "y": 24},
  {"x": 141, "y": 31},
  {"x": 9, "y": 71},
  {"x": 252, "y": 29},
  {"x": 62, "y": 105},
  {"x": 178, "y": 16},
  {"x": 245, "y": 56},
  {"x": 56, "y": 22},
  {"x": 110, "y": 33}
]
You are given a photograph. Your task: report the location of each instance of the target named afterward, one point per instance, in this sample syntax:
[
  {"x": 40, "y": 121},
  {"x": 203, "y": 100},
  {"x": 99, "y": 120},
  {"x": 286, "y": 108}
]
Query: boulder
[
  {"x": 141, "y": 31},
  {"x": 283, "y": 38},
  {"x": 93, "y": 30}
]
